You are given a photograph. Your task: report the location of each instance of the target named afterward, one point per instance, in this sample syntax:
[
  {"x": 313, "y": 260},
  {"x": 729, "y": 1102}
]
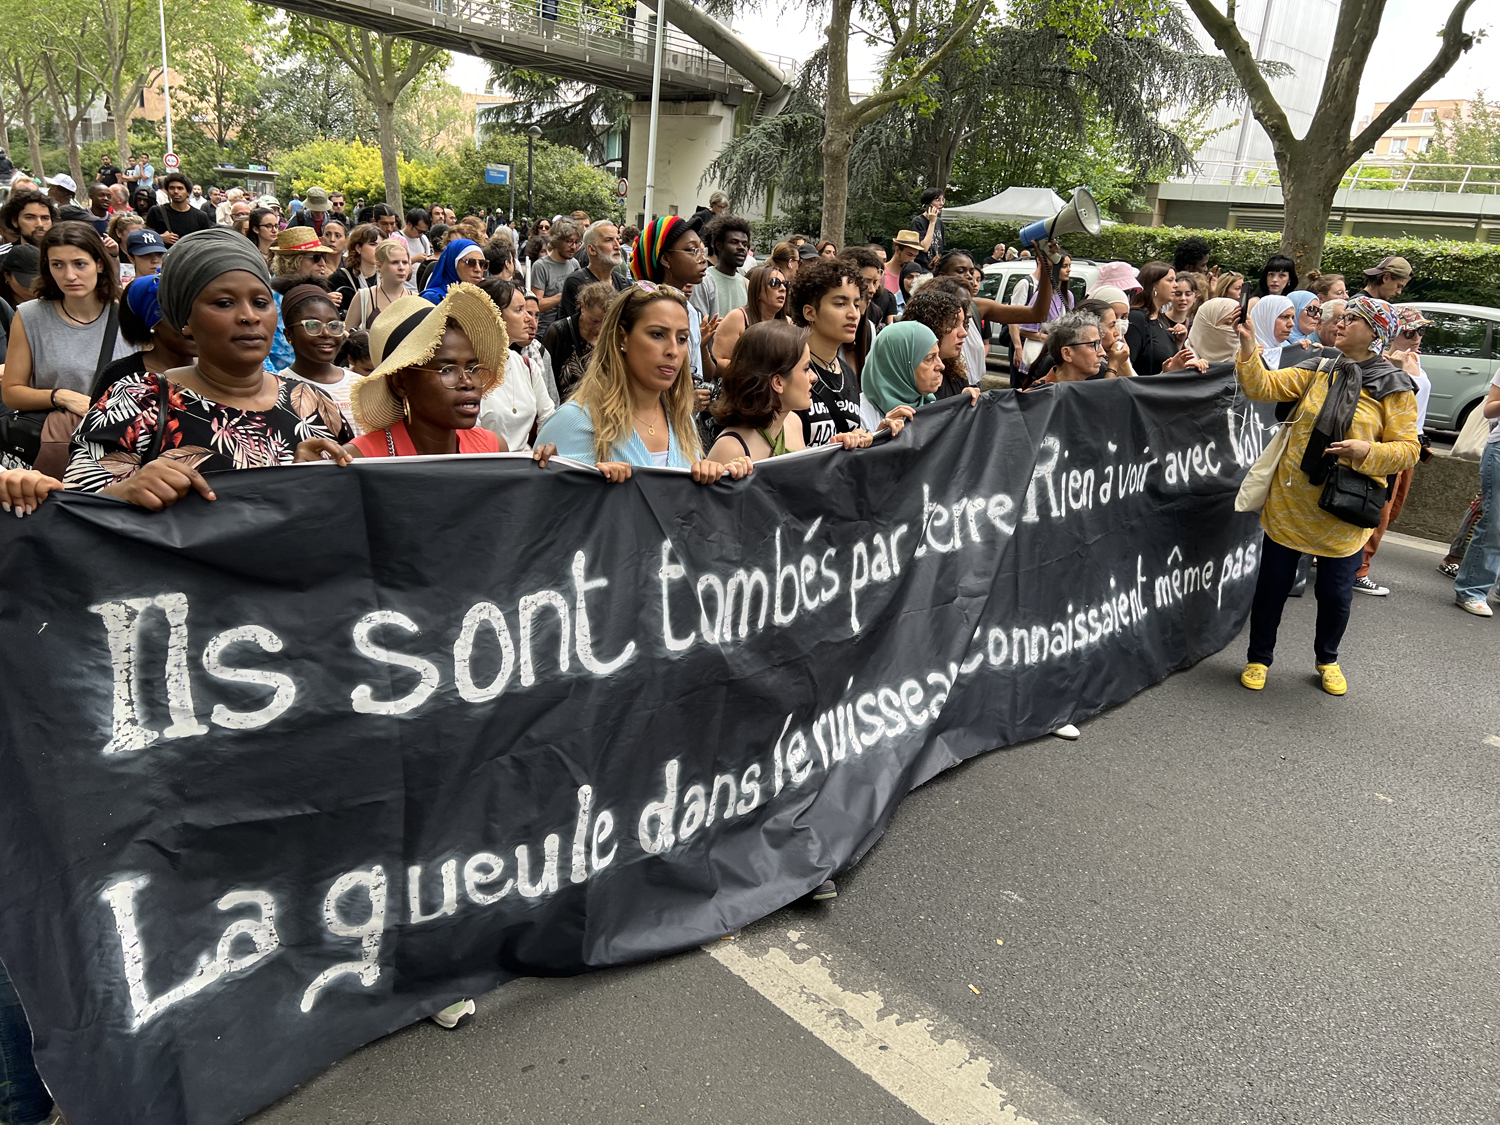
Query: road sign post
[{"x": 171, "y": 161}]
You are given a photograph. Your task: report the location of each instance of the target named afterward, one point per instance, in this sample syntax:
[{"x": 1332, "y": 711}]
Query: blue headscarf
[
  {"x": 141, "y": 296},
  {"x": 1300, "y": 300},
  {"x": 445, "y": 273}
]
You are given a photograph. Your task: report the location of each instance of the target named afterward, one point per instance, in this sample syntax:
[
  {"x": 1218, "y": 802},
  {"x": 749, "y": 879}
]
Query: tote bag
[{"x": 1474, "y": 435}]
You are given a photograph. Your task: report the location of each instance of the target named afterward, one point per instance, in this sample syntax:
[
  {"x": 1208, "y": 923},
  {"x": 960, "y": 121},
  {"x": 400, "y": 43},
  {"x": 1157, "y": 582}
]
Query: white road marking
[
  {"x": 944, "y": 1074},
  {"x": 1492, "y": 739}
]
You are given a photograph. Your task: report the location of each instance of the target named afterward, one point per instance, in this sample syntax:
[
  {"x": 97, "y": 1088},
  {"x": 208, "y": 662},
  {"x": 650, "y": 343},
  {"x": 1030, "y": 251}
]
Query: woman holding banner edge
[{"x": 1360, "y": 412}]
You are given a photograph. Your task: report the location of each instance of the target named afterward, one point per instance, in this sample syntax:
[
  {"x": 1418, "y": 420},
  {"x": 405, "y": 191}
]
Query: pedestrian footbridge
[{"x": 577, "y": 41}]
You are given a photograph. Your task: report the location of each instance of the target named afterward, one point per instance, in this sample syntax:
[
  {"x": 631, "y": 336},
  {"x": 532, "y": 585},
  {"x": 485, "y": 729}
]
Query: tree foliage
[
  {"x": 1465, "y": 140},
  {"x": 355, "y": 169},
  {"x": 568, "y": 113},
  {"x": 562, "y": 179},
  {"x": 1055, "y": 94},
  {"x": 1313, "y": 164}
]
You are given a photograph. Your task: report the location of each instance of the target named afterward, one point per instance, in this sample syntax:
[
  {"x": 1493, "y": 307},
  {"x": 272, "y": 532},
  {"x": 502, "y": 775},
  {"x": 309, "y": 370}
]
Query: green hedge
[{"x": 1464, "y": 272}]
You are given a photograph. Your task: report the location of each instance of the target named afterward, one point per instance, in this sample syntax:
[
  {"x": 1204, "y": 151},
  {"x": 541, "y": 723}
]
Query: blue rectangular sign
[{"x": 497, "y": 174}]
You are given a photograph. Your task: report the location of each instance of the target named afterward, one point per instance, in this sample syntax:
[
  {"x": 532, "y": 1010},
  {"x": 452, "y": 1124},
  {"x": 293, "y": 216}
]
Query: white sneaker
[
  {"x": 1477, "y": 606},
  {"x": 1068, "y": 731},
  {"x": 450, "y": 1016},
  {"x": 1366, "y": 586}
]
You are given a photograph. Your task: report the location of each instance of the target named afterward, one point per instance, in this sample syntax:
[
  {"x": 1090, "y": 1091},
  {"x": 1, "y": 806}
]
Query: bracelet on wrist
[{"x": 53, "y": 398}]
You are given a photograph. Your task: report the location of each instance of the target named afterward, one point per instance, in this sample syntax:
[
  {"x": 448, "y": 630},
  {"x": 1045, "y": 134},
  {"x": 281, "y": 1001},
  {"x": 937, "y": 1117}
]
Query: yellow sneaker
[
  {"x": 1333, "y": 679},
  {"x": 1254, "y": 676}
]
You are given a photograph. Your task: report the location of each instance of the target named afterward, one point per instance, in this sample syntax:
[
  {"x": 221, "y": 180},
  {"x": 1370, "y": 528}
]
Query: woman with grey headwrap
[{"x": 153, "y": 438}]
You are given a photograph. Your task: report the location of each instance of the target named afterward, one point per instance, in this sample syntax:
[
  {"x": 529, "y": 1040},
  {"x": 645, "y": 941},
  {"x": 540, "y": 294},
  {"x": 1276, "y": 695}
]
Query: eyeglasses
[
  {"x": 1413, "y": 335},
  {"x": 453, "y": 375},
  {"x": 322, "y": 328},
  {"x": 1313, "y": 312},
  {"x": 699, "y": 251},
  {"x": 777, "y": 283},
  {"x": 1097, "y": 345}
]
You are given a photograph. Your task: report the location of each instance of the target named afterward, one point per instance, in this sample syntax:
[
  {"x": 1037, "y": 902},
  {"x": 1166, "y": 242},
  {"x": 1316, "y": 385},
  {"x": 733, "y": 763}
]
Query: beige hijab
[{"x": 1207, "y": 339}]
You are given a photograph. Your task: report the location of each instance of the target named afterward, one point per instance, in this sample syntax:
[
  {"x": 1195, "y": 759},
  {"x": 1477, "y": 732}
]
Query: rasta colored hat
[
  {"x": 648, "y": 263},
  {"x": 1378, "y": 314},
  {"x": 407, "y": 334},
  {"x": 1397, "y": 267},
  {"x": 300, "y": 240}
]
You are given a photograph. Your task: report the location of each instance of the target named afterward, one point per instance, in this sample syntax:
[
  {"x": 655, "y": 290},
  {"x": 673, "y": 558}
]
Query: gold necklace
[{"x": 650, "y": 426}]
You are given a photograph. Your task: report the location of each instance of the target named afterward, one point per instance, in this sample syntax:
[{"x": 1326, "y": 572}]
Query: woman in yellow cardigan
[{"x": 1361, "y": 411}]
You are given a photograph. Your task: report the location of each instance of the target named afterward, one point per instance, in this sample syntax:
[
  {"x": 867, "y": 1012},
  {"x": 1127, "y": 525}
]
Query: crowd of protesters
[{"x": 162, "y": 334}]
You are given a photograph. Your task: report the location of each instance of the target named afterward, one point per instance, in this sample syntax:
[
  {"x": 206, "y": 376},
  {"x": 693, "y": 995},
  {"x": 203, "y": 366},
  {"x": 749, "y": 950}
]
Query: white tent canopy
[{"x": 1014, "y": 204}]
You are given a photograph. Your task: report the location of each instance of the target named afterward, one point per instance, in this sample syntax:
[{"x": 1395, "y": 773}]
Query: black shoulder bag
[{"x": 1351, "y": 495}]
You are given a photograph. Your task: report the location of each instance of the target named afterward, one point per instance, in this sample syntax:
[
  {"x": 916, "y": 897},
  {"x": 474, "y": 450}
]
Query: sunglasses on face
[
  {"x": 1415, "y": 334},
  {"x": 777, "y": 283},
  {"x": 322, "y": 328}
]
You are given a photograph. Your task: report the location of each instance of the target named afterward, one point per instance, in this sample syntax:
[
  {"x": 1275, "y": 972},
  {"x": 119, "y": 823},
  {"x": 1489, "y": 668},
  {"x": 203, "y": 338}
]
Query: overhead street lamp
[{"x": 531, "y": 135}]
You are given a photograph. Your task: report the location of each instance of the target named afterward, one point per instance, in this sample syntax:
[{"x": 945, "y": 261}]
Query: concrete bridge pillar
[{"x": 691, "y": 135}]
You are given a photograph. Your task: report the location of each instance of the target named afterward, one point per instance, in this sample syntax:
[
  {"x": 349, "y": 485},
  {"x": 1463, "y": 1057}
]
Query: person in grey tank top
[{"x": 55, "y": 341}]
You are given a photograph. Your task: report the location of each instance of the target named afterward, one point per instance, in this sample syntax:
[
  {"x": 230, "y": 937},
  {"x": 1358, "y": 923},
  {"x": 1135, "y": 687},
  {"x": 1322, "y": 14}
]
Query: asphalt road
[{"x": 1217, "y": 908}]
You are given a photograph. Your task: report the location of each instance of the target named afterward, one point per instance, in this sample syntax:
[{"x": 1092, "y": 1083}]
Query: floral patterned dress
[{"x": 115, "y": 435}]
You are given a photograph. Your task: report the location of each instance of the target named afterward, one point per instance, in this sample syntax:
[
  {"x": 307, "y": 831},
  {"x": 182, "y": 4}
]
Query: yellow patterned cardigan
[{"x": 1291, "y": 516}]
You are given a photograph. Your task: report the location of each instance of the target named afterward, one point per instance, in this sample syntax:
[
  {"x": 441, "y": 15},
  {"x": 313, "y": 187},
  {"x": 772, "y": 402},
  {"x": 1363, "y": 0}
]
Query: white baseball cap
[{"x": 63, "y": 180}]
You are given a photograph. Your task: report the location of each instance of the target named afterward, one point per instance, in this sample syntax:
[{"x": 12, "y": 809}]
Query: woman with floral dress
[{"x": 153, "y": 437}]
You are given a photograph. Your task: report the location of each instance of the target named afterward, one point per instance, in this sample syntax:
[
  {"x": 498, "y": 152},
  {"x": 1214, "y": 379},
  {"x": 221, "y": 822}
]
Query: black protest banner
[{"x": 284, "y": 772}]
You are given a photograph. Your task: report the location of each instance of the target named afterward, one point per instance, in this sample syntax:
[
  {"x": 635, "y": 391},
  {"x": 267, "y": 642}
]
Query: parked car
[
  {"x": 1000, "y": 279},
  {"x": 1460, "y": 353}
]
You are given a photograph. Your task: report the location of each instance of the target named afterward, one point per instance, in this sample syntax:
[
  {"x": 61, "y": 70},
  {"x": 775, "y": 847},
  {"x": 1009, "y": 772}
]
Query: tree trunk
[
  {"x": 385, "y": 116},
  {"x": 121, "y": 110},
  {"x": 838, "y": 142},
  {"x": 33, "y": 136},
  {"x": 1307, "y": 194}
]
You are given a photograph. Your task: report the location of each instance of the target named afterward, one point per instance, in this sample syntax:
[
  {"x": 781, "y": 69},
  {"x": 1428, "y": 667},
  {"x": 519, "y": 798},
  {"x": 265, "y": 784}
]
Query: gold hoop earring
[{"x": 406, "y": 410}]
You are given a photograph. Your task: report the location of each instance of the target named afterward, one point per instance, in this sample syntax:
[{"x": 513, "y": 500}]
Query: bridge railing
[
  {"x": 594, "y": 28},
  {"x": 1367, "y": 175}
]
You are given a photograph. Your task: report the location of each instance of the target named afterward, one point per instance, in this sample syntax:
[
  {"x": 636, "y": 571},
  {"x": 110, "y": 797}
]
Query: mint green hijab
[{"x": 889, "y": 378}]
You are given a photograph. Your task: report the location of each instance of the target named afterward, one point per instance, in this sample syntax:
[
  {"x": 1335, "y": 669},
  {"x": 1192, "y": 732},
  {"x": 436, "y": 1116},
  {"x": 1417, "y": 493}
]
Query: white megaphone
[{"x": 1081, "y": 214}]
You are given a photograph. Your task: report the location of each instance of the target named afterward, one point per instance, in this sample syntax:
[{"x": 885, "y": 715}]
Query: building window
[
  {"x": 1398, "y": 146},
  {"x": 1422, "y": 143},
  {"x": 1429, "y": 116}
]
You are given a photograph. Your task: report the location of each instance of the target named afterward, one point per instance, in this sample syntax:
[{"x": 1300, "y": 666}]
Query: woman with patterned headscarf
[{"x": 1359, "y": 411}]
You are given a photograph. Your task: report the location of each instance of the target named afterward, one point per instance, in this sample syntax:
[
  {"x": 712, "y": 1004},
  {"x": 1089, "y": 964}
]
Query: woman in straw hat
[
  {"x": 152, "y": 437},
  {"x": 635, "y": 404},
  {"x": 433, "y": 366}
]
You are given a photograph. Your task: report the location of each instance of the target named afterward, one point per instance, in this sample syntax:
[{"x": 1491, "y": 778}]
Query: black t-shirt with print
[{"x": 835, "y": 404}]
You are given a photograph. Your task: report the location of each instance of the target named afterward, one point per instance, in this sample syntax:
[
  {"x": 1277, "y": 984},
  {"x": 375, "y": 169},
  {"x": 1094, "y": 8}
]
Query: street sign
[
  {"x": 622, "y": 187},
  {"x": 497, "y": 174},
  {"x": 171, "y": 161}
]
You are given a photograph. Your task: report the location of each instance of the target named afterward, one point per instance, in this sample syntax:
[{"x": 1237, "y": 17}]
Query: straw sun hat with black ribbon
[{"x": 407, "y": 334}]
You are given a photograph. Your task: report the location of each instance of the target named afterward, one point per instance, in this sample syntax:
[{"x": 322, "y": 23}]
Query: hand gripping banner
[{"x": 286, "y": 771}]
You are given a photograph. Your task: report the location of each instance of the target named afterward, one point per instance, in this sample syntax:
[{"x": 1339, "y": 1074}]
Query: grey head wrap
[{"x": 196, "y": 260}]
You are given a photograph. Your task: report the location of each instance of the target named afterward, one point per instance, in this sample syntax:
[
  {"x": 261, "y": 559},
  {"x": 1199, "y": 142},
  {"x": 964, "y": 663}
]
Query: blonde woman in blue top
[{"x": 635, "y": 404}]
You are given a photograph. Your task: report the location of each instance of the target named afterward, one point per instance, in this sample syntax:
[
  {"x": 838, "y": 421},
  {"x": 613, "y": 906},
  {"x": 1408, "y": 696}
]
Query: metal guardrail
[
  {"x": 592, "y": 28},
  {"x": 1367, "y": 175}
]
